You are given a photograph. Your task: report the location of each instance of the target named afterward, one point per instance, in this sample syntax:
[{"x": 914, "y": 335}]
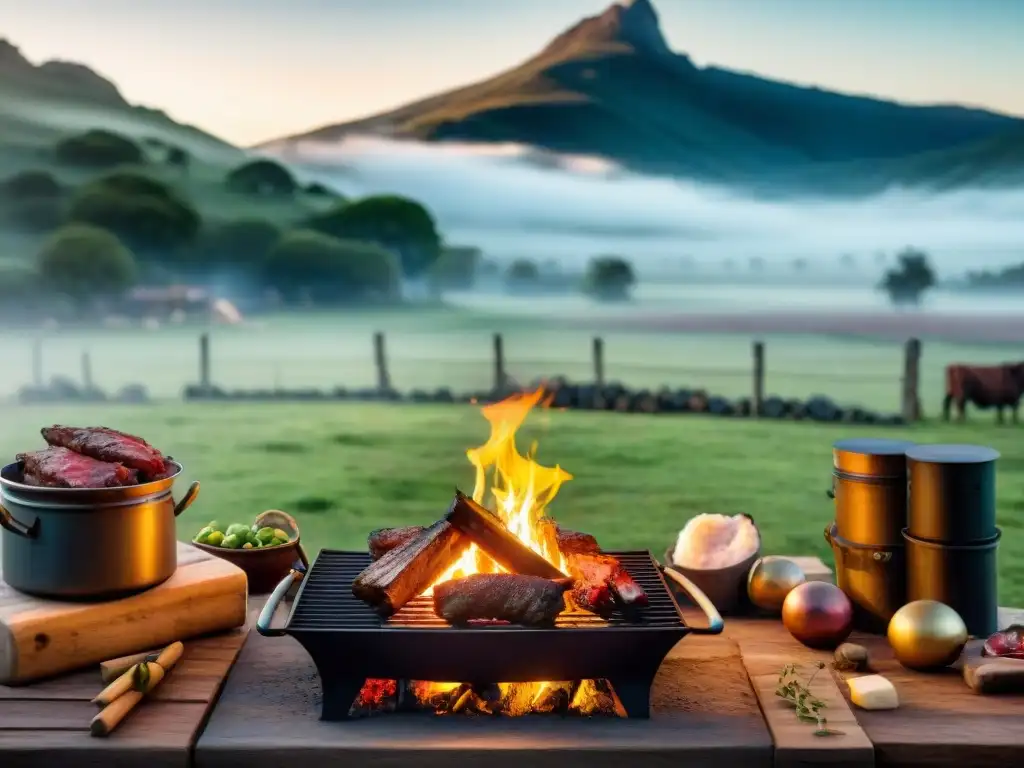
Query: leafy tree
[
  {"x": 239, "y": 247},
  {"x": 32, "y": 201},
  {"x": 34, "y": 184},
  {"x": 609, "y": 278},
  {"x": 910, "y": 278},
  {"x": 35, "y": 215},
  {"x": 755, "y": 264},
  {"x": 799, "y": 265},
  {"x": 398, "y": 224},
  {"x": 86, "y": 263},
  {"x": 319, "y": 190},
  {"x": 145, "y": 214},
  {"x": 178, "y": 158},
  {"x": 848, "y": 260},
  {"x": 522, "y": 272},
  {"x": 98, "y": 148},
  {"x": 261, "y": 177},
  {"x": 455, "y": 268},
  {"x": 328, "y": 270}
]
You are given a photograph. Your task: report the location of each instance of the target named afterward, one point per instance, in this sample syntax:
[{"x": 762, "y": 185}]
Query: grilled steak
[
  {"x": 528, "y": 600},
  {"x": 61, "y": 468},
  {"x": 106, "y": 444},
  {"x": 576, "y": 543},
  {"x": 383, "y": 540},
  {"x": 601, "y": 583}
]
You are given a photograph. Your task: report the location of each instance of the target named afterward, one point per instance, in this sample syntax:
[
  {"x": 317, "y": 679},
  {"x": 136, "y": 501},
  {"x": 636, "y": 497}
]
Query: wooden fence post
[
  {"x": 599, "y": 361},
  {"x": 909, "y": 397},
  {"x": 86, "y": 370},
  {"x": 204, "y": 362},
  {"x": 380, "y": 359},
  {"x": 37, "y": 363},
  {"x": 757, "y": 399},
  {"x": 500, "y": 379}
]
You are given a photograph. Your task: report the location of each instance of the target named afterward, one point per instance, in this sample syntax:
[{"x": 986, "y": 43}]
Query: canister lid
[
  {"x": 952, "y": 454},
  {"x": 873, "y": 456}
]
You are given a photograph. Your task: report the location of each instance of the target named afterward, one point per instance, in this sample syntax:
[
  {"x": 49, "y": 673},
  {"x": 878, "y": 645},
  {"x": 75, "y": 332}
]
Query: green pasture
[
  {"x": 344, "y": 469},
  {"x": 431, "y": 348}
]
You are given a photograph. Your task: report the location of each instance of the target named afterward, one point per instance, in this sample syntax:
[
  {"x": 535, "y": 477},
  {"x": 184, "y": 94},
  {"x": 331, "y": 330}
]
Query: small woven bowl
[{"x": 265, "y": 567}]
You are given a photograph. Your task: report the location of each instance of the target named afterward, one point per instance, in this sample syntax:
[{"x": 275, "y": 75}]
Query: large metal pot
[{"x": 89, "y": 543}]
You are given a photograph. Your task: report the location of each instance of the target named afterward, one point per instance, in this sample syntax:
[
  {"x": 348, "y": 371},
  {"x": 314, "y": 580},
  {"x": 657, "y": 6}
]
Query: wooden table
[
  {"x": 46, "y": 724},
  {"x": 713, "y": 702}
]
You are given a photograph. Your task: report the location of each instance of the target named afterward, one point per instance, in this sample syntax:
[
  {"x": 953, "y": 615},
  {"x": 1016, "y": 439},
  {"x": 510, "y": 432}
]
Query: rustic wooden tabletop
[{"x": 713, "y": 704}]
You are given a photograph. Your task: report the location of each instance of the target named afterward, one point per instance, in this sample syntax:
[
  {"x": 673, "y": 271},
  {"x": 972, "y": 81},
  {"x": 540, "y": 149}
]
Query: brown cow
[{"x": 985, "y": 386}]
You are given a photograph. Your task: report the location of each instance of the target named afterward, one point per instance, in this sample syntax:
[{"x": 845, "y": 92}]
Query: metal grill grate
[{"x": 326, "y": 601}]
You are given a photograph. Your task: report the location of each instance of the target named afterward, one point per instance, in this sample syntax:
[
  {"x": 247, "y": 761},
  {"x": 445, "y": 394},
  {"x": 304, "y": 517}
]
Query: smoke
[{"x": 513, "y": 201}]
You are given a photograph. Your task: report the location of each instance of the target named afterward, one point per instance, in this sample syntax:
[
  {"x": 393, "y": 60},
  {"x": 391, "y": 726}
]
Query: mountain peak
[{"x": 628, "y": 22}]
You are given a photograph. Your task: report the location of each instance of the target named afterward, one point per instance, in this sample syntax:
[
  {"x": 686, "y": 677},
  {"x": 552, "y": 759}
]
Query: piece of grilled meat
[
  {"x": 105, "y": 444},
  {"x": 528, "y": 600},
  {"x": 383, "y": 540},
  {"x": 62, "y": 468}
]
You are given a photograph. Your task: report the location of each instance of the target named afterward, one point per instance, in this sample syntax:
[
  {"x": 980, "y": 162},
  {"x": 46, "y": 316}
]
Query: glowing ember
[{"x": 518, "y": 490}]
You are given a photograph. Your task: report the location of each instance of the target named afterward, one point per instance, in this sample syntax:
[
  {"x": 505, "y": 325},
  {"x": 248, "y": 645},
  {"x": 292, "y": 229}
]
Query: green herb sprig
[{"x": 808, "y": 707}]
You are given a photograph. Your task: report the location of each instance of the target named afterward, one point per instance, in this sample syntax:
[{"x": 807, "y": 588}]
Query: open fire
[{"x": 518, "y": 490}]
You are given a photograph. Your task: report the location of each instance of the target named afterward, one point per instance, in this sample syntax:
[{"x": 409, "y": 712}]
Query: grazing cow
[{"x": 985, "y": 386}]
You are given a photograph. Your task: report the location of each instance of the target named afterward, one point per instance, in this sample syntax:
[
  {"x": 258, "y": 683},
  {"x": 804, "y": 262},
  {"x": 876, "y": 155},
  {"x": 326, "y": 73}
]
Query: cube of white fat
[{"x": 873, "y": 692}]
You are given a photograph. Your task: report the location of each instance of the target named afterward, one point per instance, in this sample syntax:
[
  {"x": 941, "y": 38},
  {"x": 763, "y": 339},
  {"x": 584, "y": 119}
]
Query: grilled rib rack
[{"x": 348, "y": 642}]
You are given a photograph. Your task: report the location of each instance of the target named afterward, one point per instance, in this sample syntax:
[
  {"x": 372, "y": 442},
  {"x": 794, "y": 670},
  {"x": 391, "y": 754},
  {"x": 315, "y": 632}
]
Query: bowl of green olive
[{"x": 266, "y": 549}]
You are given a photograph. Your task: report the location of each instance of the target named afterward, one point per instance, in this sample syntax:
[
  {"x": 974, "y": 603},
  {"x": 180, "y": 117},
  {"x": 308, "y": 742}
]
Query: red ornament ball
[{"x": 818, "y": 614}]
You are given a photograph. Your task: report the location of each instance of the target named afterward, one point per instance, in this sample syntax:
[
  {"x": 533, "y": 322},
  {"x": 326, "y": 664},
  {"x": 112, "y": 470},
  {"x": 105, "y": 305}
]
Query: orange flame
[{"x": 518, "y": 490}]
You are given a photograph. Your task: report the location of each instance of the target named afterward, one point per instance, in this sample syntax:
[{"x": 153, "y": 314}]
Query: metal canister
[
  {"x": 873, "y": 577},
  {"x": 963, "y": 576},
  {"x": 952, "y": 494},
  {"x": 869, "y": 485}
]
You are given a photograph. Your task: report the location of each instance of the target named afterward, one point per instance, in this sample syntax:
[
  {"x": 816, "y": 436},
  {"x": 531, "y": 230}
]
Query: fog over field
[{"x": 513, "y": 201}]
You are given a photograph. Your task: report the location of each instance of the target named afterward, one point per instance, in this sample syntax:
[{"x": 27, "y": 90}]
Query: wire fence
[{"x": 871, "y": 375}]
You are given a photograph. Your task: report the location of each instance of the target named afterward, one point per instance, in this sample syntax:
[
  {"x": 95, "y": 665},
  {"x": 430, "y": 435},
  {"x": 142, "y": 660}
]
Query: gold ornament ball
[
  {"x": 770, "y": 580},
  {"x": 926, "y": 634}
]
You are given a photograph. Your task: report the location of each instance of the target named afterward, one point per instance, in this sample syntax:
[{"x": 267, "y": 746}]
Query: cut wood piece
[
  {"x": 795, "y": 741},
  {"x": 485, "y": 530},
  {"x": 814, "y": 568},
  {"x": 40, "y": 638},
  {"x": 409, "y": 569}
]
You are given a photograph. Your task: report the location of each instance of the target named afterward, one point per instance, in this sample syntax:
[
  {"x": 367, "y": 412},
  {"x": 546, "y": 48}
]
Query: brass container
[
  {"x": 874, "y": 578},
  {"x": 869, "y": 486}
]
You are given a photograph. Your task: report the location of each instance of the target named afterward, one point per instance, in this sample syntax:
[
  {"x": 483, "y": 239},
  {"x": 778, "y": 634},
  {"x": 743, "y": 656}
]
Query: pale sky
[{"x": 252, "y": 70}]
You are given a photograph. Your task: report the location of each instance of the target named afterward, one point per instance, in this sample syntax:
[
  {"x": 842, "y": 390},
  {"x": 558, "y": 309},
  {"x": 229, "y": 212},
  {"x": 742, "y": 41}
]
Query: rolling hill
[
  {"x": 611, "y": 87},
  {"x": 43, "y": 103}
]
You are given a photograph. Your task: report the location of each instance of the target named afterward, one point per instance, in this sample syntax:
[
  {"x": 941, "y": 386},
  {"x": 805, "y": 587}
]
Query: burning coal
[{"x": 586, "y": 698}]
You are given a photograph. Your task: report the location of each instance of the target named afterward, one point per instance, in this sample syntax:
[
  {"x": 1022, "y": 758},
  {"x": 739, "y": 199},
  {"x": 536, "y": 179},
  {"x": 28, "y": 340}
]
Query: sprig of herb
[{"x": 808, "y": 707}]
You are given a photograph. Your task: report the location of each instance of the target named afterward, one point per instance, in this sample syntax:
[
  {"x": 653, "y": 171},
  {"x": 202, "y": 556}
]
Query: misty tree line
[{"x": 128, "y": 227}]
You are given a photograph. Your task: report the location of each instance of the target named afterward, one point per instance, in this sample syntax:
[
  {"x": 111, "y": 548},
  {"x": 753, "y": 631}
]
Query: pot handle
[
  {"x": 187, "y": 499},
  {"x": 18, "y": 528},
  {"x": 715, "y": 623},
  {"x": 270, "y": 607}
]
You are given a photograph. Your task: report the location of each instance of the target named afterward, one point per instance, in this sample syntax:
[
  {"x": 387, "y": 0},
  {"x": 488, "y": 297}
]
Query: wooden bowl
[
  {"x": 266, "y": 566},
  {"x": 725, "y": 587}
]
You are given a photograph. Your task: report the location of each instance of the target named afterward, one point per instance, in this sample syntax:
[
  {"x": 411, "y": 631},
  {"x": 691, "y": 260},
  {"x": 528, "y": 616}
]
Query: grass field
[
  {"x": 345, "y": 469},
  {"x": 432, "y": 348}
]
